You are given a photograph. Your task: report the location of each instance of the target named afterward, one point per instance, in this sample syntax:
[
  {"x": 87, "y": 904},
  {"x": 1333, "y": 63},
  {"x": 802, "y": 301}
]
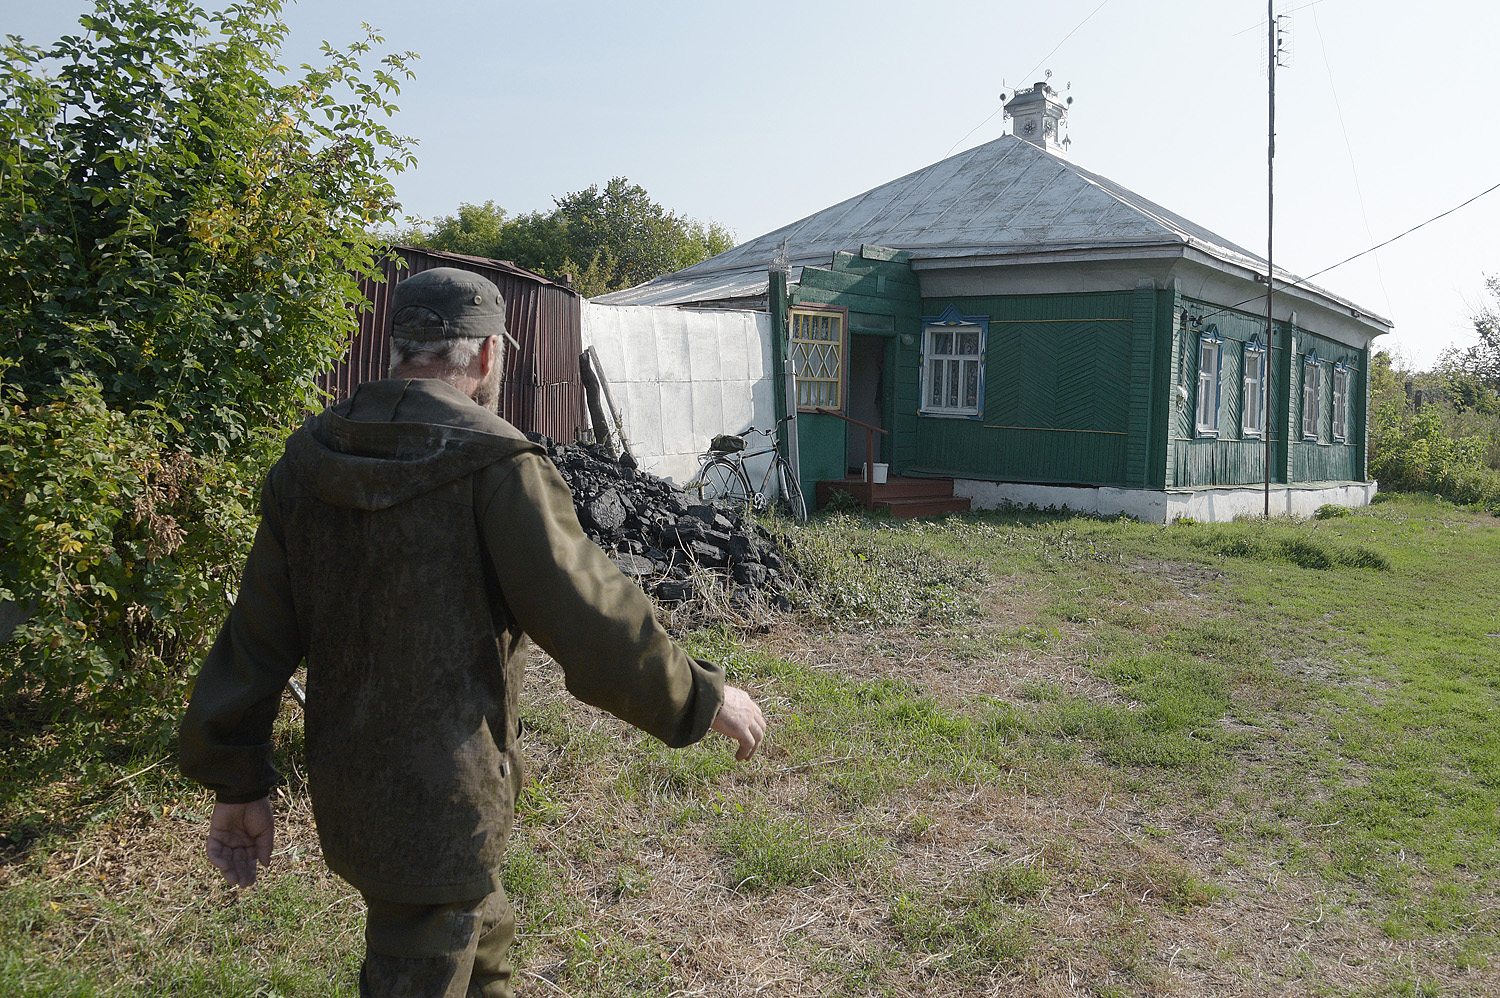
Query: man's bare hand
[
  {"x": 238, "y": 836},
  {"x": 740, "y": 718}
]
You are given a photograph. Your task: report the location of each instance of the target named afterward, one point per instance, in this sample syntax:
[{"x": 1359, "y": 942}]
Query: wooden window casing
[
  {"x": 1253, "y": 405},
  {"x": 953, "y": 370},
  {"x": 1210, "y": 363},
  {"x": 1311, "y": 390},
  {"x": 1340, "y": 403},
  {"x": 819, "y": 352}
]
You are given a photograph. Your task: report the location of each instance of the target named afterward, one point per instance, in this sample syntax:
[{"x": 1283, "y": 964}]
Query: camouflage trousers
[{"x": 459, "y": 950}]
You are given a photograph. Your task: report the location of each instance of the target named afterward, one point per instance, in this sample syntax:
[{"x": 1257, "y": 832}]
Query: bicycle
[{"x": 722, "y": 475}]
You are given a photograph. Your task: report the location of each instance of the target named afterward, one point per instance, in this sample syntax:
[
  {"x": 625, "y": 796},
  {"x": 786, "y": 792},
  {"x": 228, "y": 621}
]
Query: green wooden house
[{"x": 1039, "y": 335}]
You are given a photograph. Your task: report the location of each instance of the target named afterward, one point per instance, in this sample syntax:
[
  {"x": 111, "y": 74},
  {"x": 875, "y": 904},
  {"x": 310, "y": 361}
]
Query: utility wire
[
  {"x": 1027, "y": 74},
  {"x": 1302, "y": 281},
  {"x": 973, "y": 130},
  {"x": 1414, "y": 228},
  {"x": 1257, "y": 26},
  {"x": 1059, "y": 45},
  {"x": 1349, "y": 148}
]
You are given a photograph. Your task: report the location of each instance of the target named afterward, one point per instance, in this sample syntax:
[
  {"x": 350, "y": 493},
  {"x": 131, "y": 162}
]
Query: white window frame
[
  {"x": 1341, "y": 402},
  {"x": 953, "y": 360},
  {"x": 1206, "y": 409},
  {"x": 1312, "y": 401},
  {"x": 1259, "y": 394}
]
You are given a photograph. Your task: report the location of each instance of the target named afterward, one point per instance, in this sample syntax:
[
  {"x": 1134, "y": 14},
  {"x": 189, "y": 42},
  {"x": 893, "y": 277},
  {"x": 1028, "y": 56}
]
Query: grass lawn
[{"x": 1009, "y": 754}]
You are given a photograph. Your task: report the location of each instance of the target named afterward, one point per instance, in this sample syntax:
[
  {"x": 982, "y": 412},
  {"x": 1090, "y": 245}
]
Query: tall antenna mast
[{"x": 1273, "y": 56}]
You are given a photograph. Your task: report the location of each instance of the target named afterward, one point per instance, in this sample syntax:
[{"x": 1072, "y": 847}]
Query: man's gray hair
[{"x": 451, "y": 358}]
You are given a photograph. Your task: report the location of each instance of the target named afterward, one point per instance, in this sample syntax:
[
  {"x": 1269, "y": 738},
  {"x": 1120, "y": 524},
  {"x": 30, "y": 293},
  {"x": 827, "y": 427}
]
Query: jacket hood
[{"x": 397, "y": 439}]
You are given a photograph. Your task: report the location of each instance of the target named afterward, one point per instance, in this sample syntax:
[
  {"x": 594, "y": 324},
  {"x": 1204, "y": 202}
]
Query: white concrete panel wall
[
  {"x": 1209, "y": 505},
  {"x": 682, "y": 376}
]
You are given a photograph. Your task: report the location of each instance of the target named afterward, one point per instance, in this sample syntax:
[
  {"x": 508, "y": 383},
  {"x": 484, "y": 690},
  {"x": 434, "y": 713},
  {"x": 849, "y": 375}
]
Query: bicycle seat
[{"x": 727, "y": 443}]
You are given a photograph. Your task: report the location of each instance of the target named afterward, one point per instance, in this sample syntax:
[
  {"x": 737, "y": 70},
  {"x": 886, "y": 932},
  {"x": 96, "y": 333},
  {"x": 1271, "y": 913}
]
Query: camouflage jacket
[{"x": 409, "y": 541}]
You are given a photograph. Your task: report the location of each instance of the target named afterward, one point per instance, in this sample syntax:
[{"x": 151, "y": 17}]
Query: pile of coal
[{"x": 675, "y": 546}]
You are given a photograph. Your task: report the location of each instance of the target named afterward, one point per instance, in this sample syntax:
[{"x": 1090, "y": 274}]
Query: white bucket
[{"x": 881, "y": 471}]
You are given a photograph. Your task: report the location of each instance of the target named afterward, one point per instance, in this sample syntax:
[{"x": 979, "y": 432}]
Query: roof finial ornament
[{"x": 1039, "y": 113}]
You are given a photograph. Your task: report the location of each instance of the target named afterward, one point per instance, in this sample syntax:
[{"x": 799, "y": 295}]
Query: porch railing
[{"x": 870, "y": 432}]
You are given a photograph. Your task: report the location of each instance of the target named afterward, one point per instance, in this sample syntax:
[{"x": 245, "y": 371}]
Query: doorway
[{"x": 866, "y": 397}]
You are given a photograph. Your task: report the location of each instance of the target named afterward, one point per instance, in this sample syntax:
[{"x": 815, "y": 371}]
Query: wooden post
[
  {"x": 595, "y": 406},
  {"x": 784, "y": 378},
  {"x": 609, "y": 398},
  {"x": 869, "y": 469}
]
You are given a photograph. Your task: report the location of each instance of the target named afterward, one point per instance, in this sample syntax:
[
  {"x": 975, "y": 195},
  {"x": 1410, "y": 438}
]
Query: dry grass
[
  {"x": 1141, "y": 897},
  {"x": 923, "y": 821}
]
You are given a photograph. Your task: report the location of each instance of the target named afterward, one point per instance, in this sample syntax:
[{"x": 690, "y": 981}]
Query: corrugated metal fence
[{"x": 541, "y": 386}]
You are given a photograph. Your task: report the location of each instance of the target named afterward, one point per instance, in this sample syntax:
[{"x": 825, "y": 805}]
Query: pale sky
[{"x": 755, "y": 115}]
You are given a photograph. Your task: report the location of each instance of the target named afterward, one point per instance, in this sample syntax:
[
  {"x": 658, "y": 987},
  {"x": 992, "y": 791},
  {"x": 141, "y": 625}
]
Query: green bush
[
  {"x": 181, "y": 241},
  {"x": 1414, "y": 452},
  {"x": 121, "y": 554},
  {"x": 180, "y": 229}
]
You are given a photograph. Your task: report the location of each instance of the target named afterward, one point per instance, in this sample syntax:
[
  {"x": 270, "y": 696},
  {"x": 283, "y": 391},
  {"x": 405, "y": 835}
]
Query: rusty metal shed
[{"x": 541, "y": 385}]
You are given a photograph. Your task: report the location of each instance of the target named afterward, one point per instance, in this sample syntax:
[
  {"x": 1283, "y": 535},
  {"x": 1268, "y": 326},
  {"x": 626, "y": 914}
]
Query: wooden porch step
[{"x": 899, "y": 496}]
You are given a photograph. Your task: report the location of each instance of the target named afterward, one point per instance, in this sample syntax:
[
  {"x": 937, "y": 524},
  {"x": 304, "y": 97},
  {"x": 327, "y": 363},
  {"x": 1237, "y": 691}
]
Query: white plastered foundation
[{"x": 1210, "y": 504}]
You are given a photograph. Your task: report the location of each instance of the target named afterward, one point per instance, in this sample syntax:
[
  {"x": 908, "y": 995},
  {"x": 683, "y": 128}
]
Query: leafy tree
[
  {"x": 1483, "y": 359},
  {"x": 178, "y": 228},
  {"x": 603, "y": 240},
  {"x": 180, "y": 244},
  {"x": 1459, "y": 379},
  {"x": 643, "y": 238},
  {"x": 537, "y": 241}
]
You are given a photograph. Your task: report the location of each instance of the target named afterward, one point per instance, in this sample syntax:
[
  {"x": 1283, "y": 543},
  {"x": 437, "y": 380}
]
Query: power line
[
  {"x": 1349, "y": 148},
  {"x": 1260, "y": 24},
  {"x": 973, "y": 130},
  {"x": 1059, "y": 45},
  {"x": 1028, "y": 73},
  {"x": 1408, "y": 232},
  {"x": 1302, "y": 281}
]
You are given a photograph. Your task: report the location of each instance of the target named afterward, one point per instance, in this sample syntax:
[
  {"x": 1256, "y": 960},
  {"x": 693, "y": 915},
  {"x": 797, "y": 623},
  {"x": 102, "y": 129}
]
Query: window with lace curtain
[{"x": 817, "y": 348}]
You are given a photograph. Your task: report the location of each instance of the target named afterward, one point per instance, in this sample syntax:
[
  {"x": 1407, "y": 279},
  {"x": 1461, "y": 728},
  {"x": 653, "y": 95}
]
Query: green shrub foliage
[
  {"x": 180, "y": 245},
  {"x": 1445, "y": 446}
]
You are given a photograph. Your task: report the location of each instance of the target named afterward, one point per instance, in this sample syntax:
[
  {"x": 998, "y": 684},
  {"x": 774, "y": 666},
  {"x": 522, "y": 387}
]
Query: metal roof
[{"x": 1003, "y": 198}]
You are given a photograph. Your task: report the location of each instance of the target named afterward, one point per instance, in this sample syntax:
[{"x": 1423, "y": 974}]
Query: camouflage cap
[{"x": 446, "y": 303}]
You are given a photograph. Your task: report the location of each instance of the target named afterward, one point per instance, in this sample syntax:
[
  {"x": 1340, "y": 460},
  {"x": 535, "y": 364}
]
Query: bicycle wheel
[
  {"x": 723, "y": 480},
  {"x": 791, "y": 491}
]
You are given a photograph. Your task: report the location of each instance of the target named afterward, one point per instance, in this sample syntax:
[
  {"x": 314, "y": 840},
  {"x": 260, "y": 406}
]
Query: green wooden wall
[
  {"x": 1236, "y": 459},
  {"x": 1068, "y": 397},
  {"x": 880, "y": 291},
  {"x": 1080, "y": 388},
  {"x": 1231, "y": 458},
  {"x": 1325, "y": 459}
]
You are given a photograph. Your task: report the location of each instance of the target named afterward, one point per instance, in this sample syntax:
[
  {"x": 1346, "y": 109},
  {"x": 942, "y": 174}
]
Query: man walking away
[{"x": 410, "y": 540}]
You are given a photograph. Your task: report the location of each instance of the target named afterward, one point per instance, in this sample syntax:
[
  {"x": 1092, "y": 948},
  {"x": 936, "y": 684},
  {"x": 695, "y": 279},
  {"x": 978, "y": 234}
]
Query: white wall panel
[
  {"x": 640, "y": 345},
  {"x": 673, "y": 348},
  {"x": 681, "y": 376},
  {"x": 705, "y": 349}
]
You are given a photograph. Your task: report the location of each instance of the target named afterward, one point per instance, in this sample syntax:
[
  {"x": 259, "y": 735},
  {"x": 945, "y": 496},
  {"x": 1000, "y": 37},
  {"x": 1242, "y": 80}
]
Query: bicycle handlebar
[{"x": 784, "y": 419}]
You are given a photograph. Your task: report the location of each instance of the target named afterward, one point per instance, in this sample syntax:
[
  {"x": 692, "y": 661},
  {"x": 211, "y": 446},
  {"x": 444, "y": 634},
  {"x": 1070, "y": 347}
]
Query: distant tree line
[{"x": 600, "y": 239}]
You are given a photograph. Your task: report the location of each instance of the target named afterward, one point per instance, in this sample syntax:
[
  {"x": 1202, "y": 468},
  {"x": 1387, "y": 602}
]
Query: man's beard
[{"x": 487, "y": 394}]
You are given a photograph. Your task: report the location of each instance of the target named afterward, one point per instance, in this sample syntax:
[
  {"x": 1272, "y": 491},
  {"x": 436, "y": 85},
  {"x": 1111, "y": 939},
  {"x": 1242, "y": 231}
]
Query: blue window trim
[
  {"x": 1210, "y": 335},
  {"x": 1254, "y": 345},
  {"x": 1310, "y": 362},
  {"x": 950, "y": 317},
  {"x": 1340, "y": 433}
]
